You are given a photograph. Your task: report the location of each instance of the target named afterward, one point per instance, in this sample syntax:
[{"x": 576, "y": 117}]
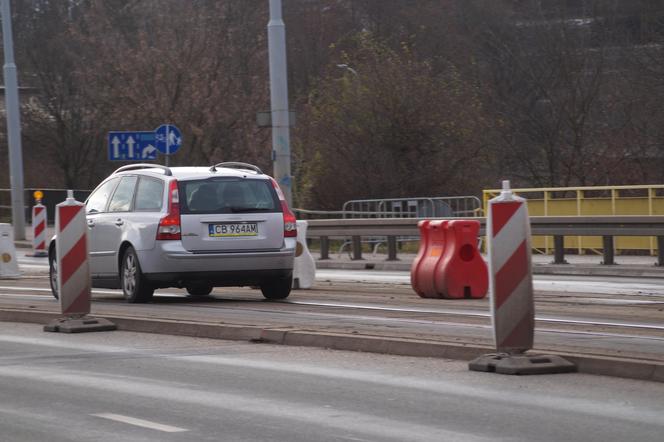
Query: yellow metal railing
[{"x": 588, "y": 201}]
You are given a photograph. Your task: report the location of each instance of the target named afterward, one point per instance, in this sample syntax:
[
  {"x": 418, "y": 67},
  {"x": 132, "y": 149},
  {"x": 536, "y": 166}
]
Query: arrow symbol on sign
[
  {"x": 148, "y": 151},
  {"x": 116, "y": 150},
  {"x": 130, "y": 143}
]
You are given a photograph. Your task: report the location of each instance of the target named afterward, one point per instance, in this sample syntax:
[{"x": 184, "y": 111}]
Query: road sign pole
[
  {"x": 13, "y": 126},
  {"x": 168, "y": 146},
  {"x": 281, "y": 157}
]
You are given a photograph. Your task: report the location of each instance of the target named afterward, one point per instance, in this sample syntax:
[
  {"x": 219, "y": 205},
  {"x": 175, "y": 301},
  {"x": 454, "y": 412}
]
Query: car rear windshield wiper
[{"x": 249, "y": 209}]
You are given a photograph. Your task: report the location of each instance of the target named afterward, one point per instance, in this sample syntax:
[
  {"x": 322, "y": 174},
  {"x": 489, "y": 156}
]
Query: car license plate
[{"x": 233, "y": 229}]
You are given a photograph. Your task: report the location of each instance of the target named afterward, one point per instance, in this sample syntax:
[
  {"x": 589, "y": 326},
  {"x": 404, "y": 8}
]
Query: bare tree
[
  {"x": 133, "y": 65},
  {"x": 448, "y": 95},
  {"x": 62, "y": 126},
  {"x": 643, "y": 92},
  {"x": 199, "y": 66},
  {"x": 382, "y": 124},
  {"x": 549, "y": 75}
]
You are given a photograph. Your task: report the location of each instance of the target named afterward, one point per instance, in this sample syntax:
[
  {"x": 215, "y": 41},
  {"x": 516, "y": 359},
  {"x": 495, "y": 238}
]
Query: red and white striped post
[
  {"x": 510, "y": 272},
  {"x": 71, "y": 250},
  {"x": 511, "y": 289},
  {"x": 39, "y": 227},
  {"x": 73, "y": 270}
]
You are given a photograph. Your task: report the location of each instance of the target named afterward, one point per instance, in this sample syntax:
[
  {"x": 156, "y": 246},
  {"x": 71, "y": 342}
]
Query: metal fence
[{"x": 428, "y": 207}]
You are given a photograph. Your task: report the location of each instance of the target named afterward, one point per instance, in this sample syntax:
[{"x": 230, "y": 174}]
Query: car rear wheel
[
  {"x": 199, "y": 289},
  {"x": 53, "y": 274},
  {"x": 134, "y": 286},
  {"x": 277, "y": 288}
]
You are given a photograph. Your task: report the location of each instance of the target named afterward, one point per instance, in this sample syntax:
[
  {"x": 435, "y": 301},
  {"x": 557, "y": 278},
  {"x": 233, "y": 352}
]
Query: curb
[
  {"x": 400, "y": 266},
  {"x": 607, "y": 366}
]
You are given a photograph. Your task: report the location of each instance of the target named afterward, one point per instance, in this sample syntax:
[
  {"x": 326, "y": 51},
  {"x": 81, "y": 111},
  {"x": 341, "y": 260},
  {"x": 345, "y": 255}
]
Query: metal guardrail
[
  {"x": 416, "y": 207},
  {"x": 607, "y": 227},
  {"x": 641, "y": 200}
]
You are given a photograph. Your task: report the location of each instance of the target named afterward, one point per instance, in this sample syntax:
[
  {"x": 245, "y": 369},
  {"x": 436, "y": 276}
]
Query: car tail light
[
  {"x": 169, "y": 226},
  {"x": 290, "y": 222}
]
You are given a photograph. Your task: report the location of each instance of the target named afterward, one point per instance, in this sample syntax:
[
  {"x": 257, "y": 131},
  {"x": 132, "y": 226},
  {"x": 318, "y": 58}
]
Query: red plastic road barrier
[
  {"x": 71, "y": 248},
  {"x": 424, "y": 248},
  {"x": 432, "y": 244},
  {"x": 462, "y": 272},
  {"x": 39, "y": 230},
  {"x": 510, "y": 265}
]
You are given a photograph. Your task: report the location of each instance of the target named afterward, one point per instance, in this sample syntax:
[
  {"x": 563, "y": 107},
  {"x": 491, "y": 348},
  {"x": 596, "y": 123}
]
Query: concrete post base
[
  {"x": 79, "y": 325},
  {"x": 504, "y": 363}
]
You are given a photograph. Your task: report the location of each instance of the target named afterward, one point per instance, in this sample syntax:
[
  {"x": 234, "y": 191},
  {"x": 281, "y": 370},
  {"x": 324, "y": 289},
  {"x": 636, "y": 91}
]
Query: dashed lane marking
[{"x": 140, "y": 422}]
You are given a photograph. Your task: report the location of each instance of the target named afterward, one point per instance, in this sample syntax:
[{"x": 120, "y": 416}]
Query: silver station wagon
[{"x": 152, "y": 226}]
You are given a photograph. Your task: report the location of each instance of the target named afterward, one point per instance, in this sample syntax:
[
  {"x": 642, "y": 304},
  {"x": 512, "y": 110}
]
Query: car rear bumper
[
  {"x": 170, "y": 257},
  {"x": 218, "y": 278}
]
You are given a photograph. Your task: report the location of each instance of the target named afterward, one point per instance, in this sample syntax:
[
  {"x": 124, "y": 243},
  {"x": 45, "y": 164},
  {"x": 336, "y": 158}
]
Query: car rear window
[{"x": 227, "y": 195}]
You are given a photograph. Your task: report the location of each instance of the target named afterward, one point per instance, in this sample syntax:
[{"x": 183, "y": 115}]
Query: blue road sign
[
  {"x": 132, "y": 146},
  {"x": 168, "y": 139}
]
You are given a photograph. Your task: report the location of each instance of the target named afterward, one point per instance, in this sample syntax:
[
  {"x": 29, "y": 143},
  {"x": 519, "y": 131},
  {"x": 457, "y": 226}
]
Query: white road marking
[
  {"x": 54, "y": 342},
  {"x": 583, "y": 284},
  {"x": 440, "y": 386},
  {"x": 12, "y": 296},
  {"x": 140, "y": 422},
  {"x": 33, "y": 267},
  {"x": 478, "y": 313},
  {"x": 41, "y": 289},
  {"x": 256, "y": 406},
  {"x": 94, "y": 291}
]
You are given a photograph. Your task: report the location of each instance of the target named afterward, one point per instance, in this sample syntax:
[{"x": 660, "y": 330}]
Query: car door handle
[
  {"x": 119, "y": 222},
  {"x": 91, "y": 223}
]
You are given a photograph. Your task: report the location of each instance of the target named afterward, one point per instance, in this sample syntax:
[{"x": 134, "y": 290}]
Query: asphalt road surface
[{"x": 112, "y": 386}]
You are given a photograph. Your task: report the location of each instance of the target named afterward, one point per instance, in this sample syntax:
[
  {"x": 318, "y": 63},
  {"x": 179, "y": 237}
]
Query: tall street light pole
[
  {"x": 13, "y": 125},
  {"x": 281, "y": 157}
]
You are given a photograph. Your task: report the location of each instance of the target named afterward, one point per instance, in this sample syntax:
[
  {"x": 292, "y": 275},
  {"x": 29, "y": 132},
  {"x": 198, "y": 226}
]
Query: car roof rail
[
  {"x": 236, "y": 165},
  {"x": 167, "y": 170}
]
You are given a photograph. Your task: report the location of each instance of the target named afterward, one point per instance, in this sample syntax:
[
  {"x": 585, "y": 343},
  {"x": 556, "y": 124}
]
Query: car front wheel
[{"x": 134, "y": 286}]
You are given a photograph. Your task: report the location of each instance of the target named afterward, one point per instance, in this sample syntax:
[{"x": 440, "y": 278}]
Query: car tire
[
  {"x": 199, "y": 290},
  {"x": 134, "y": 286},
  {"x": 277, "y": 288},
  {"x": 53, "y": 274}
]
